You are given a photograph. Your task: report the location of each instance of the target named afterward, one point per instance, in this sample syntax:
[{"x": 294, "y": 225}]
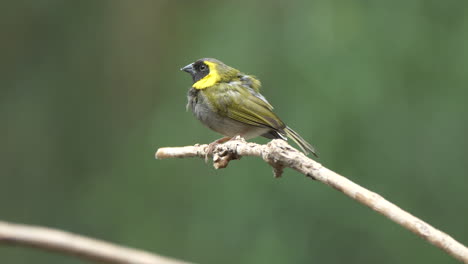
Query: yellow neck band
[{"x": 209, "y": 80}]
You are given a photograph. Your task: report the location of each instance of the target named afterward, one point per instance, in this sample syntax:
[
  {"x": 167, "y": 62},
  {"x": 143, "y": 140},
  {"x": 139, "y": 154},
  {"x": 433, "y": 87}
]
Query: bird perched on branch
[{"x": 229, "y": 102}]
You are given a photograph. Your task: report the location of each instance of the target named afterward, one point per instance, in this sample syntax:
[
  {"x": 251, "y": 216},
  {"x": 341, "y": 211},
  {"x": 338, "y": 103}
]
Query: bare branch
[
  {"x": 280, "y": 155},
  {"x": 76, "y": 245}
]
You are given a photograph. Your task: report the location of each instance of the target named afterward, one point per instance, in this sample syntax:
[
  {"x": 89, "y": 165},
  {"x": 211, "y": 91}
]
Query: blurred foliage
[{"x": 90, "y": 89}]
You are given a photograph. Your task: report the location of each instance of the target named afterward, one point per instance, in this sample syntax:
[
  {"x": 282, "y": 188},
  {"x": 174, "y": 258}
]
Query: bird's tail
[{"x": 304, "y": 145}]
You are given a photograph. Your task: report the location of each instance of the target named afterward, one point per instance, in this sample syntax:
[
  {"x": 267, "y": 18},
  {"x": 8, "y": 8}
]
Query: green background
[{"x": 90, "y": 89}]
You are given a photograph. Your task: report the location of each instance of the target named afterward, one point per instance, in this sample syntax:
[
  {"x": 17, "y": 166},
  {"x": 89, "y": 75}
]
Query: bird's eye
[{"x": 202, "y": 67}]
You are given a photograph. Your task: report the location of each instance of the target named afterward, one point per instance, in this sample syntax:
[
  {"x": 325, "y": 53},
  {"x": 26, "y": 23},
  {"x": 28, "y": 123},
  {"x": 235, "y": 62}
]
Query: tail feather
[{"x": 304, "y": 145}]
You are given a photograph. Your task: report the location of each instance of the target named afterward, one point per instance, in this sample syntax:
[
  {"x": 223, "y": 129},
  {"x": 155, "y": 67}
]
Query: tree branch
[
  {"x": 280, "y": 155},
  {"x": 76, "y": 245}
]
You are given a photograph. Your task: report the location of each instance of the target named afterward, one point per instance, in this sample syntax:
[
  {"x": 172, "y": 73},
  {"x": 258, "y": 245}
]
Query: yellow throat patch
[{"x": 209, "y": 80}]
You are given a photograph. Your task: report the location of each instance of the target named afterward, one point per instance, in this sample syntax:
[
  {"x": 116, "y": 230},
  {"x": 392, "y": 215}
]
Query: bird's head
[{"x": 207, "y": 72}]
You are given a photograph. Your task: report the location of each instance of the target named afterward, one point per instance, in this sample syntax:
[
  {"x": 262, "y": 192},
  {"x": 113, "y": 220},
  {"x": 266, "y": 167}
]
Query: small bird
[{"x": 229, "y": 102}]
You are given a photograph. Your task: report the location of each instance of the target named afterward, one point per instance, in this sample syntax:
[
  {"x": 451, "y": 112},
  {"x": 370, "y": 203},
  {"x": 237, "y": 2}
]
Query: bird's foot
[{"x": 212, "y": 146}]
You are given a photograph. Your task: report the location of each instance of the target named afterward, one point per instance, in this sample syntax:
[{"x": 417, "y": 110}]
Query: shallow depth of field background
[{"x": 90, "y": 89}]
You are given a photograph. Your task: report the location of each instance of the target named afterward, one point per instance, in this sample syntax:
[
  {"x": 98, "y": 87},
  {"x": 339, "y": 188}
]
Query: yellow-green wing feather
[
  {"x": 246, "y": 105},
  {"x": 241, "y": 104}
]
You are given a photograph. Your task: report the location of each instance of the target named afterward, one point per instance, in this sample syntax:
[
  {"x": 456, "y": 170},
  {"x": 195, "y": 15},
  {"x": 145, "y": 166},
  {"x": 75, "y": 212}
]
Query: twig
[
  {"x": 281, "y": 155},
  {"x": 76, "y": 245}
]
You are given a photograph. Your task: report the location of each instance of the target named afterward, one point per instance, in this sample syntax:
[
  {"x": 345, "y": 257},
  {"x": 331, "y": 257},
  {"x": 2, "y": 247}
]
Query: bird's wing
[
  {"x": 250, "y": 81},
  {"x": 247, "y": 106}
]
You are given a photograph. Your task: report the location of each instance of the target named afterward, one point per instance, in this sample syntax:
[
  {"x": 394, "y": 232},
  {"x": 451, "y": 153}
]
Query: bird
[{"x": 229, "y": 102}]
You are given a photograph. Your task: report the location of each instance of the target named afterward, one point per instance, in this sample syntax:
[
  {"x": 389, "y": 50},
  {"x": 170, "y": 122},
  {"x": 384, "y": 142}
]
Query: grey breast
[{"x": 203, "y": 111}]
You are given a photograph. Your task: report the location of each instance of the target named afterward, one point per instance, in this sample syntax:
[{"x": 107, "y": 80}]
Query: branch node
[
  {"x": 222, "y": 155},
  {"x": 278, "y": 169}
]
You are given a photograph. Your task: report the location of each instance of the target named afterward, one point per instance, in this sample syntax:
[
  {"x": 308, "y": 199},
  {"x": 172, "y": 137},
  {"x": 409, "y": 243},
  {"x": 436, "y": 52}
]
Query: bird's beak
[{"x": 189, "y": 68}]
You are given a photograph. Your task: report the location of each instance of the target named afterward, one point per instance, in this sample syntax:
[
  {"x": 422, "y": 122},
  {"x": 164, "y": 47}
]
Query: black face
[{"x": 200, "y": 70}]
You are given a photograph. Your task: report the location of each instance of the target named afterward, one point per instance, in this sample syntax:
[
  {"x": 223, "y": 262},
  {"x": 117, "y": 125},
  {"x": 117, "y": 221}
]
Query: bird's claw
[{"x": 211, "y": 147}]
